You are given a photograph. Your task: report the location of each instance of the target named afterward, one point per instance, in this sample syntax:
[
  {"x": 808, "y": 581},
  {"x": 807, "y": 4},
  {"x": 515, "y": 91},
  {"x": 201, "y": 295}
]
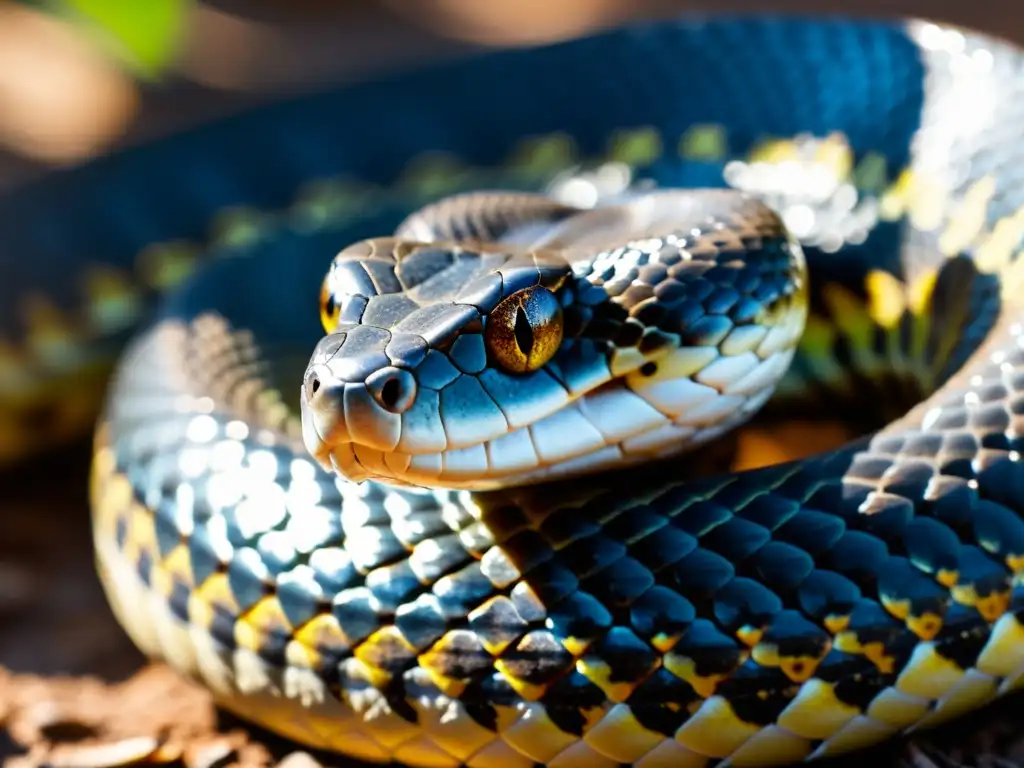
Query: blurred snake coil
[{"x": 693, "y": 223}]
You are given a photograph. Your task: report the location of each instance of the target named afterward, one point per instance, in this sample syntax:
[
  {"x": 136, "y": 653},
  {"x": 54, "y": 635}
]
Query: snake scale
[{"x": 694, "y": 222}]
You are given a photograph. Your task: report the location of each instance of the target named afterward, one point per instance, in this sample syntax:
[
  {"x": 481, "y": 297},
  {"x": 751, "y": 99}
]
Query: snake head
[
  {"x": 434, "y": 352},
  {"x": 625, "y": 333}
]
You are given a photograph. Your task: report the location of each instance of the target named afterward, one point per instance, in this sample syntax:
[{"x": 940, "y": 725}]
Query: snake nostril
[
  {"x": 390, "y": 393},
  {"x": 394, "y": 389},
  {"x": 313, "y": 384}
]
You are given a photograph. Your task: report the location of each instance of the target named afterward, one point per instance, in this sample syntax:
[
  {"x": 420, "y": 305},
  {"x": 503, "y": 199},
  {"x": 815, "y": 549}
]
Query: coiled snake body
[{"x": 537, "y": 581}]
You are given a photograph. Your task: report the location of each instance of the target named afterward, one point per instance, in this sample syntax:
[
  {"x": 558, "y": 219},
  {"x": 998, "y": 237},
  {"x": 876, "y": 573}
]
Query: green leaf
[{"x": 145, "y": 35}]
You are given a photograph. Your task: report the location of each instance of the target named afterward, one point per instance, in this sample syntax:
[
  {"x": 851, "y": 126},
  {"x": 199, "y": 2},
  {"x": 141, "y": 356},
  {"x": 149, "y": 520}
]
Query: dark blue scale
[
  {"x": 699, "y": 575},
  {"x": 661, "y": 702},
  {"x": 744, "y": 603},
  {"x": 374, "y": 547},
  {"x": 710, "y": 330},
  {"x": 497, "y": 622},
  {"x": 1001, "y": 479},
  {"x": 333, "y": 569},
  {"x": 627, "y": 657},
  {"x": 962, "y": 637},
  {"x": 447, "y": 557},
  {"x": 758, "y": 694},
  {"x": 909, "y": 478},
  {"x": 459, "y": 656},
  {"x": 568, "y": 700},
  {"x": 780, "y": 566},
  {"x": 769, "y": 510},
  {"x": 661, "y": 611},
  {"x": 998, "y": 530},
  {"x": 462, "y": 591},
  {"x": 178, "y": 599},
  {"x": 566, "y": 525},
  {"x": 422, "y": 621},
  {"x": 899, "y": 581},
  {"x": 701, "y": 517},
  {"x": 980, "y": 571},
  {"x": 207, "y": 554},
  {"x": 873, "y": 624},
  {"x": 931, "y": 545},
  {"x": 661, "y": 548},
  {"x": 638, "y": 526},
  {"x": 952, "y": 500},
  {"x": 812, "y": 531},
  {"x": 300, "y": 602},
  {"x": 357, "y": 613},
  {"x": 837, "y": 666},
  {"x": 736, "y": 539},
  {"x": 712, "y": 652},
  {"x": 591, "y": 555},
  {"x": 618, "y": 586},
  {"x": 793, "y": 635},
  {"x": 248, "y": 577},
  {"x": 858, "y": 556},
  {"x": 579, "y": 615},
  {"x": 144, "y": 569},
  {"x": 538, "y": 657},
  {"x": 856, "y": 682},
  {"x": 882, "y": 514},
  {"x": 826, "y": 593},
  {"x": 278, "y": 552},
  {"x": 552, "y": 581},
  {"x": 167, "y": 528},
  {"x": 527, "y": 549}
]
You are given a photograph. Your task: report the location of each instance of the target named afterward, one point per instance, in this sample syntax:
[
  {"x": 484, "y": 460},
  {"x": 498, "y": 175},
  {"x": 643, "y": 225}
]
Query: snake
[{"x": 406, "y": 395}]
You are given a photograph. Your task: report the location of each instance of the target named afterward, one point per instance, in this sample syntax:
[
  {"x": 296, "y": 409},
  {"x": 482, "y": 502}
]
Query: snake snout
[
  {"x": 322, "y": 402},
  {"x": 353, "y": 398}
]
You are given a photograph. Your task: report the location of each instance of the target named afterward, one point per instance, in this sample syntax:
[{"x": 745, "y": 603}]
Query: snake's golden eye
[
  {"x": 525, "y": 330},
  {"x": 329, "y": 309}
]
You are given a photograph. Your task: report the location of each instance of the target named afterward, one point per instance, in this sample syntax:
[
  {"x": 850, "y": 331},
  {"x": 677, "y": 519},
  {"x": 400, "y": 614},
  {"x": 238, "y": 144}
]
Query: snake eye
[
  {"x": 525, "y": 330},
  {"x": 329, "y": 309}
]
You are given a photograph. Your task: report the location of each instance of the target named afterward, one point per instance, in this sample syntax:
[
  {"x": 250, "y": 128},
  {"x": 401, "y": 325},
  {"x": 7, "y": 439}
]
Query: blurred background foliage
[
  {"x": 80, "y": 77},
  {"x": 145, "y": 37}
]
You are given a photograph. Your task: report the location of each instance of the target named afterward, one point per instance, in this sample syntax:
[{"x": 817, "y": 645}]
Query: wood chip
[
  {"x": 110, "y": 755},
  {"x": 299, "y": 760},
  {"x": 213, "y": 753}
]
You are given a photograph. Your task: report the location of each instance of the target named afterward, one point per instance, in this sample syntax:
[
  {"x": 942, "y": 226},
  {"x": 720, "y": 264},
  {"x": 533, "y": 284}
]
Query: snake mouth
[{"x": 337, "y": 453}]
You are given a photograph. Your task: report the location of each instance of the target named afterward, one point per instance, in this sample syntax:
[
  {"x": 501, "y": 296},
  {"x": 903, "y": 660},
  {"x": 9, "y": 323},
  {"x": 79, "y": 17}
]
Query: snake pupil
[
  {"x": 315, "y": 385},
  {"x": 523, "y": 332},
  {"x": 648, "y": 369}
]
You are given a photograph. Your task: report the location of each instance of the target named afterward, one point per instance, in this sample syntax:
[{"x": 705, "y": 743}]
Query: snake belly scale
[{"x": 442, "y": 520}]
